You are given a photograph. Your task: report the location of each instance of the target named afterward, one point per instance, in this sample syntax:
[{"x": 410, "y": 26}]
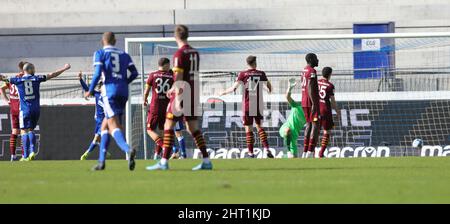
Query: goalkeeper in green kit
[{"x": 289, "y": 131}]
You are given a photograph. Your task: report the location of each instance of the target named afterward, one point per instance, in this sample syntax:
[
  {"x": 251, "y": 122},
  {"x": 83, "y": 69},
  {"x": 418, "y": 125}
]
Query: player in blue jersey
[
  {"x": 111, "y": 65},
  {"x": 99, "y": 115},
  {"x": 29, "y": 86}
]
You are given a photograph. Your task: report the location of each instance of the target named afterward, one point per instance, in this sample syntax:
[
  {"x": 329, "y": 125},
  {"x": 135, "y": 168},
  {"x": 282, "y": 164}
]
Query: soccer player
[
  {"x": 28, "y": 87},
  {"x": 253, "y": 105},
  {"x": 310, "y": 104},
  {"x": 327, "y": 103},
  {"x": 184, "y": 100},
  {"x": 99, "y": 115},
  {"x": 160, "y": 82},
  {"x": 111, "y": 65},
  {"x": 13, "y": 101},
  {"x": 289, "y": 131}
]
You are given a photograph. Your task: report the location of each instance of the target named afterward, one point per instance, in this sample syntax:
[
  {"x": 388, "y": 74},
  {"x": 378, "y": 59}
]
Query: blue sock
[
  {"x": 182, "y": 146},
  {"x": 175, "y": 149},
  {"x": 32, "y": 139},
  {"x": 25, "y": 145},
  {"x": 120, "y": 140},
  {"x": 103, "y": 146},
  {"x": 92, "y": 146}
]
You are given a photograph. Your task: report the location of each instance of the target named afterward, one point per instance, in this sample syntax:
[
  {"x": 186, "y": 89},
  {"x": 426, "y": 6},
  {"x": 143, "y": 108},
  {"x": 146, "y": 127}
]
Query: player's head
[
  {"x": 20, "y": 65},
  {"x": 326, "y": 72},
  {"x": 28, "y": 68},
  {"x": 164, "y": 64},
  {"x": 109, "y": 38},
  {"x": 312, "y": 60},
  {"x": 181, "y": 33},
  {"x": 251, "y": 61}
]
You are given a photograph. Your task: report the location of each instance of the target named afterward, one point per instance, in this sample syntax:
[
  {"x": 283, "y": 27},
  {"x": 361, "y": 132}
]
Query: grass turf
[{"x": 356, "y": 180}]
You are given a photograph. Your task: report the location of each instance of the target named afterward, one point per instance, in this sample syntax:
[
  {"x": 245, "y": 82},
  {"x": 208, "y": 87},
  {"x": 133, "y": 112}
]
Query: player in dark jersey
[
  {"x": 13, "y": 102},
  {"x": 29, "y": 94},
  {"x": 184, "y": 100},
  {"x": 327, "y": 104},
  {"x": 252, "y": 81},
  {"x": 310, "y": 104},
  {"x": 159, "y": 82},
  {"x": 99, "y": 115}
]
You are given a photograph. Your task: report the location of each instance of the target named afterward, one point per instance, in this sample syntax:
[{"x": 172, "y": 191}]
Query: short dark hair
[
  {"x": 326, "y": 72},
  {"x": 181, "y": 32},
  {"x": 109, "y": 37},
  {"x": 251, "y": 60},
  {"x": 163, "y": 61},
  {"x": 310, "y": 56},
  {"x": 21, "y": 64}
]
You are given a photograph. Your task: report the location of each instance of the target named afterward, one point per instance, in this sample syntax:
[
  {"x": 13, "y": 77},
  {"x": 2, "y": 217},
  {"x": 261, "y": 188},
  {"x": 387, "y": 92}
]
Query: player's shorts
[
  {"x": 155, "y": 121},
  {"x": 309, "y": 116},
  {"x": 98, "y": 127},
  {"x": 248, "y": 120},
  {"x": 114, "y": 106},
  {"x": 14, "y": 112},
  {"x": 326, "y": 122},
  {"x": 28, "y": 120},
  {"x": 179, "y": 126}
]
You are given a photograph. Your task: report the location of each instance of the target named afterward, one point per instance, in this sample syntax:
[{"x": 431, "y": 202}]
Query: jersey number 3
[{"x": 115, "y": 65}]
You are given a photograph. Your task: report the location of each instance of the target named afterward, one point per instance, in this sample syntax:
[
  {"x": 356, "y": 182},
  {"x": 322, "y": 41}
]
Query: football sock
[
  {"x": 325, "y": 139},
  {"x": 92, "y": 146},
  {"x": 250, "y": 142},
  {"x": 158, "y": 145},
  {"x": 169, "y": 135},
  {"x": 263, "y": 137},
  {"x": 32, "y": 141},
  {"x": 120, "y": 140},
  {"x": 305, "y": 144},
  {"x": 200, "y": 142},
  {"x": 182, "y": 145},
  {"x": 104, "y": 142},
  {"x": 12, "y": 144},
  {"x": 26, "y": 145}
]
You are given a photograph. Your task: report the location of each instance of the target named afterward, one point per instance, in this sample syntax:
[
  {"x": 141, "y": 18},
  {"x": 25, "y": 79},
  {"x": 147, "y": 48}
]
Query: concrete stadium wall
[{"x": 50, "y": 32}]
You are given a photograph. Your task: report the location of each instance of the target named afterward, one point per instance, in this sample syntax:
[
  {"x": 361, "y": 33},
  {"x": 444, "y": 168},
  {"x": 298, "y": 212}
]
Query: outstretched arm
[
  {"x": 231, "y": 89},
  {"x": 58, "y": 72}
]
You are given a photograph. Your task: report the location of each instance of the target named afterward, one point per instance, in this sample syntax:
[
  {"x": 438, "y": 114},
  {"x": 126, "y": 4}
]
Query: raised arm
[
  {"x": 3, "y": 91},
  {"x": 231, "y": 89},
  {"x": 58, "y": 72},
  {"x": 82, "y": 83},
  {"x": 292, "y": 84}
]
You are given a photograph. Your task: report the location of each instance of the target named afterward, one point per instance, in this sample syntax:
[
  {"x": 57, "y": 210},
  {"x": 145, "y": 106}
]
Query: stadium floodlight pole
[{"x": 144, "y": 134}]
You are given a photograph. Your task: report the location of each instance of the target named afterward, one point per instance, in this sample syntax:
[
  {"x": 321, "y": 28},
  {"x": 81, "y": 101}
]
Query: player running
[
  {"x": 253, "y": 106},
  {"x": 28, "y": 87},
  {"x": 99, "y": 115},
  {"x": 111, "y": 65},
  {"x": 327, "y": 103},
  {"x": 310, "y": 104},
  {"x": 184, "y": 100},
  {"x": 160, "y": 82},
  {"x": 289, "y": 131},
  {"x": 14, "y": 110}
]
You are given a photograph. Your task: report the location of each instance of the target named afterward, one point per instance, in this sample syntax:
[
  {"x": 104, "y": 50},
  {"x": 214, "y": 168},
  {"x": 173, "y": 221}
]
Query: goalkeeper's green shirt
[{"x": 295, "y": 121}]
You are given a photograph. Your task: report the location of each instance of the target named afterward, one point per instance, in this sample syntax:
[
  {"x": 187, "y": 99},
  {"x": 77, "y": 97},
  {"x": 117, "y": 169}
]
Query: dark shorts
[
  {"x": 249, "y": 120},
  {"x": 155, "y": 121},
  {"x": 309, "y": 116},
  {"x": 326, "y": 122},
  {"x": 177, "y": 118},
  {"x": 29, "y": 120}
]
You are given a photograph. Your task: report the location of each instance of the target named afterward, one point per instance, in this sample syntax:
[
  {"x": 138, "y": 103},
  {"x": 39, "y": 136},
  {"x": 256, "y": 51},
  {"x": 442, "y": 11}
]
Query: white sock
[
  {"x": 163, "y": 161},
  {"x": 206, "y": 160}
]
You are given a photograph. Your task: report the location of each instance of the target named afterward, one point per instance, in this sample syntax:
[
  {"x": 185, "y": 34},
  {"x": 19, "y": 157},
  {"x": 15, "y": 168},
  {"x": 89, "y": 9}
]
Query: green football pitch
[{"x": 356, "y": 180}]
